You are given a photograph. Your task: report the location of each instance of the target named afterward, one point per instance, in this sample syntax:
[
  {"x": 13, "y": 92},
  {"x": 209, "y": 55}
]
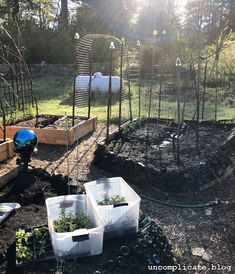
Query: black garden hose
[{"x": 209, "y": 204}]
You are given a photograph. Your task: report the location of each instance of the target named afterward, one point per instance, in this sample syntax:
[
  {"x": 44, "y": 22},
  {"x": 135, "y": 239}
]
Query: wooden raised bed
[
  {"x": 58, "y": 136},
  {"x": 9, "y": 175},
  {"x": 6, "y": 150}
]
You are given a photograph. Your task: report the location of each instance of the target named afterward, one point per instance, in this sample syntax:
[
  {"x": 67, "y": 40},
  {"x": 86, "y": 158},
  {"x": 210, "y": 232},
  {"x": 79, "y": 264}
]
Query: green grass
[{"x": 54, "y": 92}]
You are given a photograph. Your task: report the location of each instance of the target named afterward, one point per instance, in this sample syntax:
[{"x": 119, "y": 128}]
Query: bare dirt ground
[{"x": 185, "y": 228}]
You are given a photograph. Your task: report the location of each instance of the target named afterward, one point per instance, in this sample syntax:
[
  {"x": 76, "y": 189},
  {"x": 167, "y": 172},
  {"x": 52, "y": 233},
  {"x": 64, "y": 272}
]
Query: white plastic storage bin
[
  {"x": 81, "y": 242},
  {"x": 121, "y": 218}
]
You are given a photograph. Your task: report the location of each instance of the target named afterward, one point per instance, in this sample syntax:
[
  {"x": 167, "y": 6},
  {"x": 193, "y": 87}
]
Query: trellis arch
[{"x": 82, "y": 96}]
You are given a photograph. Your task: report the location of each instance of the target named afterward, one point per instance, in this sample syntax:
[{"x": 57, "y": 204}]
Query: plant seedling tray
[
  {"x": 40, "y": 248},
  {"x": 6, "y": 150},
  {"x": 58, "y": 135},
  {"x": 128, "y": 254}
]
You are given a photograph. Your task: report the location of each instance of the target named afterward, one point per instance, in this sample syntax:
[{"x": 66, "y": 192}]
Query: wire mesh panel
[
  {"x": 26, "y": 98},
  {"x": 8, "y": 95}
]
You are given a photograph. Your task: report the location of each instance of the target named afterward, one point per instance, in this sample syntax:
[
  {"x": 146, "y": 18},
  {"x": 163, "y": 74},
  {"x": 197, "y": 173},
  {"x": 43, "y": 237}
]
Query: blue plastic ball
[{"x": 25, "y": 140}]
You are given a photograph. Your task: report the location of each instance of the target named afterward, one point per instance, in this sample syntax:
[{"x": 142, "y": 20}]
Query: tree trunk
[{"x": 64, "y": 12}]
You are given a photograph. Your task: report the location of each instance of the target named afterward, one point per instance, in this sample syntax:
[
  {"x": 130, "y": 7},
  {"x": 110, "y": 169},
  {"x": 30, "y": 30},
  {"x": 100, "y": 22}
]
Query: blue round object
[{"x": 25, "y": 140}]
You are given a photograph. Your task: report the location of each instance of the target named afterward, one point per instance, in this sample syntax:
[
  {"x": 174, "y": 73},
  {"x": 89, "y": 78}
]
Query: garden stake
[
  {"x": 74, "y": 91},
  {"x": 112, "y": 47},
  {"x": 139, "y": 82},
  {"x": 77, "y": 154},
  {"x": 89, "y": 87},
  {"x": 121, "y": 79},
  {"x": 151, "y": 91},
  {"x": 204, "y": 90},
  {"x": 178, "y": 65},
  {"x": 67, "y": 151},
  {"x": 216, "y": 88},
  {"x": 129, "y": 86}
]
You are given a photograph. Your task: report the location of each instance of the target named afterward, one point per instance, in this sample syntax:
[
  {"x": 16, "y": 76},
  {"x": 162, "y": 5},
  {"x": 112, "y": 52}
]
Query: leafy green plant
[
  {"x": 22, "y": 239},
  {"x": 112, "y": 200},
  {"x": 23, "y": 252},
  {"x": 41, "y": 235},
  {"x": 22, "y": 236},
  {"x": 68, "y": 222}
]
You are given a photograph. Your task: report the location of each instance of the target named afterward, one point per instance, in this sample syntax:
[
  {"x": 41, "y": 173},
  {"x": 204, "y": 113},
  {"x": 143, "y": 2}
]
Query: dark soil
[
  {"x": 41, "y": 122},
  {"x": 30, "y": 191},
  {"x": 186, "y": 228},
  {"x": 149, "y": 150},
  {"x": 48, "y": 121}
]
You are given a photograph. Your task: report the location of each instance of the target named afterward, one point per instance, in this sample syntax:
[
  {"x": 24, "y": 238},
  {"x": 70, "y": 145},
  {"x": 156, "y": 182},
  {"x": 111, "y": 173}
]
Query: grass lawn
[{"x": 54, "y": 86}]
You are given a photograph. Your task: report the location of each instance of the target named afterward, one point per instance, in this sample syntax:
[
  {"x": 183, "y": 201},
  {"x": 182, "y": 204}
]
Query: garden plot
[
  {"x": 145, "y": 153},
  {"x": 53, "y": 129}
]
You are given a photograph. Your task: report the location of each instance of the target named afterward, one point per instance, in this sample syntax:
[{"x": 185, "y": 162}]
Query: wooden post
[{"x": 4, "y": 128}]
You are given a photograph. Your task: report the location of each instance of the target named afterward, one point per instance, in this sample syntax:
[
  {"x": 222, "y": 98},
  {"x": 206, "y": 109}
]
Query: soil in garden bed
[
  {"x": 49, "y": 121},
  {"x": 147, "y": 151},
  {"x": 30, "y": 191}
]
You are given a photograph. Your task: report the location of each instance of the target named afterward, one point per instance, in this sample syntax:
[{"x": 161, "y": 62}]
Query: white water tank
[{"x": 99, "y": 83}]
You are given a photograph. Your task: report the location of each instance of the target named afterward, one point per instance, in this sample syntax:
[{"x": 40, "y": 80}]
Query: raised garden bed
[
  {"x": 6, "y": 150},
  {"x": 152, "y": 160},
  {"x": 53, "y": 129},
  {"x": 7, "y": 175}
]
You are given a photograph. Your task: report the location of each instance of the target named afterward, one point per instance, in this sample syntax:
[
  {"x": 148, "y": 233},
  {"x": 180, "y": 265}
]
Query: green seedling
[
  {"x": 112, "y": 200},
  {"x": 22, "y": 236},
  {"x": 23, "y": 252},
  {"x": 40, "y": 233},
  {"x": 42, "y": 247},
  {"x": 22, "y": 239},
  {"x": 68, "y": 222}
]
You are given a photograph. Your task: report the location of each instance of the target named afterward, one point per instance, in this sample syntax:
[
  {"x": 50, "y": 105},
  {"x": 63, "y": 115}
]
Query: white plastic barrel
[{"x": 99, "y": 83}]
